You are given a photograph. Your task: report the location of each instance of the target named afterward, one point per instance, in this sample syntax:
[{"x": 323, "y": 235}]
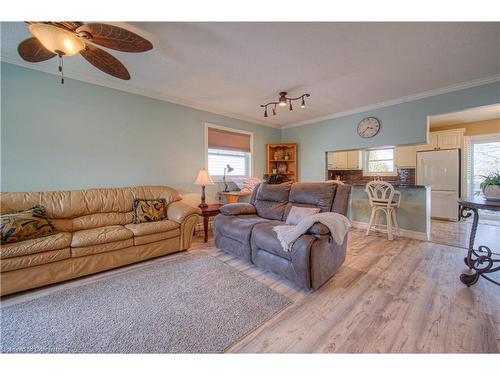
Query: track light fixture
[{"x": 283, "y": 101}]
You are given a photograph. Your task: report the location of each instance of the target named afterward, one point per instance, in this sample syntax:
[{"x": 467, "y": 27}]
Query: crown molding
[
  {"x": 135, "y": 90},
  {"x": 403, "y": 99}
]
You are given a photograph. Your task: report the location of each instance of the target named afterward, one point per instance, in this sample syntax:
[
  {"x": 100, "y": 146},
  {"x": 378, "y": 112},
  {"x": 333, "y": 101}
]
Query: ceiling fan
[{"x": 69, "y": 38}]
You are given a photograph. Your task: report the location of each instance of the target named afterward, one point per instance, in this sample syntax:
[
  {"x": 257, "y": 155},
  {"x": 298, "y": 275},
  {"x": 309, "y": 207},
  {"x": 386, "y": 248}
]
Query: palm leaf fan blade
[{"x": 105, "y": 62}]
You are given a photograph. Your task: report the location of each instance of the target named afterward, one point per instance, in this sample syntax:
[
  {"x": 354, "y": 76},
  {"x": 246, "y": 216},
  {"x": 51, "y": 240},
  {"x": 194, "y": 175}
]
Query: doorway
[{"x": 480, "y": 150}]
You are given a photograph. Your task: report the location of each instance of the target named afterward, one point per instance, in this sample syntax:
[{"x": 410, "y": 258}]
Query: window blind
[{"x": 226, "y": 140}]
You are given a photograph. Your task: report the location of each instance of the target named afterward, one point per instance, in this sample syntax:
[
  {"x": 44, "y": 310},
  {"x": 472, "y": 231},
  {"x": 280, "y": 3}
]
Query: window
[
  {"x": 219, "y": 159},
  {"x": 379, "y": 162},
  {"x": 227, "y": 146}
]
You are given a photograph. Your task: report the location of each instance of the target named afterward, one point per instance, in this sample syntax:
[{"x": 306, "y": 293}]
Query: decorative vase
[
  {"x": 492, "y": 192},
  {"x": 287, "y": 157}
]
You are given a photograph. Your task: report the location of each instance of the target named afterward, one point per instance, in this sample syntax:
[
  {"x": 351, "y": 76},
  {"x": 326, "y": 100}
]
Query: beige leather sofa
[{"x": 95, "y": 234}]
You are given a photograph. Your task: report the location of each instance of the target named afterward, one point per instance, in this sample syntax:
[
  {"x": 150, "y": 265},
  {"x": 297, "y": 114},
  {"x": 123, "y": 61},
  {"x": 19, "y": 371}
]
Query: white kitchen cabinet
[
  {"x": 432, "y": 145},
  {"x": 406, "y": 157},
  {"x": 353, "y": 159},
  {"x": 340, "y": 160},
  {"x": 450, "y": 140},
  {"x": 444, "y": 140},
  {"x": 344, "y": 160}
]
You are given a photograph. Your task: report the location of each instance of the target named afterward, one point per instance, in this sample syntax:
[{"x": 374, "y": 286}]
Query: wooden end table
[
  {"x": 233, "y": 196},
  {"x": 207, "y": 212},
  {"x": 479, "y": 261}
]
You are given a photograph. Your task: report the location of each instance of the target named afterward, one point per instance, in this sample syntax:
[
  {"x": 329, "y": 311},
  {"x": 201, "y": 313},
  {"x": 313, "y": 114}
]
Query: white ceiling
[
  {"x": 490, "y": 112},
  {"x": 232, "y": 68}
]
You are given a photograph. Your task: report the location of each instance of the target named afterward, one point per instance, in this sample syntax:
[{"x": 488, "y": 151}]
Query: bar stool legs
[{"x": 391, "y": 220}]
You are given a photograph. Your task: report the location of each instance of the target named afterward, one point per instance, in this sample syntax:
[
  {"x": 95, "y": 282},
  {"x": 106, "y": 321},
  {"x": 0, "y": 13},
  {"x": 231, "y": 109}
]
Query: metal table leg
[{"x": 480, "y": 261}]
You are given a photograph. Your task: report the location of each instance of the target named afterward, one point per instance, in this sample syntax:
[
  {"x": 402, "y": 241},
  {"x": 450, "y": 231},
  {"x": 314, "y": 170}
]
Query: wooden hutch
[{"x": 282, "y": 159}]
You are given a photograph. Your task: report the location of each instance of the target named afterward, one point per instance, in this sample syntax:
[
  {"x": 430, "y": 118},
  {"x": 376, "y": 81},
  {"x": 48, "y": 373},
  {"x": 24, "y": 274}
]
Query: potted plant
[{"x": 491, "y": 186}]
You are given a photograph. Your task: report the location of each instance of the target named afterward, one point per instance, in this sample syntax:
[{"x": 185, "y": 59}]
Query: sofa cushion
[
  {"x": 36, "y": 245},
  {"x": 238, "y": 228},
  {"x": 271, "y": 200},
  {"x": 264, "y": 237},
  {"x": 311, "y": 194},
  {"x": 146, "y": 210},
  {"x": 152, "y": 227},
  {"x": 101, "y": 220},
  {"x": 25, "y": 225},
  {"x": 239, "y": 208},
  {"x": 96, "y": 236},
  {"x": 32, "y": 260},
  {"x": 101, "y": 248},
  {"x": 297, "y": 214}
]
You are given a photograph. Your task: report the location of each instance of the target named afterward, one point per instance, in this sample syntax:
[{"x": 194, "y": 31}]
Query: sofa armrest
[
  {"x": 233, "y": 209},
  {"x": 318, "y": 229},
  {"x": 178, "y": 211}
]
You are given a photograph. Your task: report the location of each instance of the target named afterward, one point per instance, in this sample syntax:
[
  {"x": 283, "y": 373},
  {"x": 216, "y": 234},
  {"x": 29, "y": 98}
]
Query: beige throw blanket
[{"x": 337, "y": 224}]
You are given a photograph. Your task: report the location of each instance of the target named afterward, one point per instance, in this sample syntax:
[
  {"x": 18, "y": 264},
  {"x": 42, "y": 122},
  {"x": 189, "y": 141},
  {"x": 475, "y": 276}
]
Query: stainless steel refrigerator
[{"x": 441, "y": 171}]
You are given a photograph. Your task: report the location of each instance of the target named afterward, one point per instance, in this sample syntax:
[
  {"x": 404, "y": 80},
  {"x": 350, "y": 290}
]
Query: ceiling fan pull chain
[{"x": 61, "y": 65}]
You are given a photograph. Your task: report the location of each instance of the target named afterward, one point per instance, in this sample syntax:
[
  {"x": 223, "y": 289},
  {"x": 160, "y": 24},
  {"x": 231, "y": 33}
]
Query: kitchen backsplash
[{"x": 405, "y": 176}]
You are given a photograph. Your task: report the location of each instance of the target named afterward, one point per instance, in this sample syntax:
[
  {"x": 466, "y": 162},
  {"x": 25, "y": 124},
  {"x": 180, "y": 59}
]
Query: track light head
[
  {"x": 291, "y": 108},
  {"x": 265, "y": 112},
  {"x": 303, "y": 104},
  {"x": 282, "y": 99}
]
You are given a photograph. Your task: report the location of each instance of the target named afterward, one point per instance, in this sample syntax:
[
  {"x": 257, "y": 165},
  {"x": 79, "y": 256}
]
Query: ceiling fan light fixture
[{"x": 56, "y": 39}]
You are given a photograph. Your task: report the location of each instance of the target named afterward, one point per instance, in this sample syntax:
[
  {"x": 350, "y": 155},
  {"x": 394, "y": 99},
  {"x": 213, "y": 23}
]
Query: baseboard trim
[{"x": 421, "y": 236}]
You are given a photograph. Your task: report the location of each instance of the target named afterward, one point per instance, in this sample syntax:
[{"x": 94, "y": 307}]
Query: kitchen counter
[
  {"x": 413, "y": 215},
  {"x": 396, "y": 185}
]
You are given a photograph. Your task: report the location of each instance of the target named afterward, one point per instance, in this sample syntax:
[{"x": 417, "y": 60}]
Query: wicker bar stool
[{"x": 383, "y": 197}]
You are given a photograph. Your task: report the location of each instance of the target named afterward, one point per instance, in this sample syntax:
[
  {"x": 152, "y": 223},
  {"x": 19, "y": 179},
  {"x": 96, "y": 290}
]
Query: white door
[{"x": 444, "y": 205}]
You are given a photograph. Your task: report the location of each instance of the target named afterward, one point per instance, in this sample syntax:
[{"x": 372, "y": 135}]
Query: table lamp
[
  {"x": 229, "y": 169},
  {"x": 203, "y": 179}
]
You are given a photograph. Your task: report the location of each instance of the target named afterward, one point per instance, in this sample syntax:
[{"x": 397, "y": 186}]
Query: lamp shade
[
  {"x": 56, "y": 39},
  {"x": 203, "y": 178}
]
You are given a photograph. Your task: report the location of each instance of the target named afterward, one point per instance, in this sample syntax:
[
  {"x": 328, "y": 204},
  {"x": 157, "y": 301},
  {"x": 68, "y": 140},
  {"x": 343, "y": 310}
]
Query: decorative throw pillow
[
  {"x": 149, "y": 210},
  {"x": 250, "y": 183},
  {"x": 298, "y": 213},
  {"x": 25, "y": 225}
]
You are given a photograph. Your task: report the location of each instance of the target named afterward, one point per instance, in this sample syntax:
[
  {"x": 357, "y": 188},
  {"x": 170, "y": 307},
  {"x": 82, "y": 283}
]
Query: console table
[
  {"x": 233, "y": 196},
  {"x": 479, "y": 261}
]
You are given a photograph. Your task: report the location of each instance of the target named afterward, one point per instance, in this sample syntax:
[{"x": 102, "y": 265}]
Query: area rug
[{"x": 193, "y": 303}]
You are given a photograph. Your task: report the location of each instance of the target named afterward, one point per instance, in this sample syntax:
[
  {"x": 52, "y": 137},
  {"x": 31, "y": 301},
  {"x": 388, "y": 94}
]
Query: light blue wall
[
  {"x": 79, "y": 135},
  {"x": 401, "y": 124}
]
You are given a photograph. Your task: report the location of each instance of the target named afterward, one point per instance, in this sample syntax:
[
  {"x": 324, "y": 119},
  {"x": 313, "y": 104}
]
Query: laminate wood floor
[
  {"x": 400, "y": 296},
  {"x": 457, "y": 233}
]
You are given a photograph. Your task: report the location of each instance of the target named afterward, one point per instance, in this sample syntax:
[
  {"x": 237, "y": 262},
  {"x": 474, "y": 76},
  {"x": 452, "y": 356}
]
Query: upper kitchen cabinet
[
  {"x": 406, "y": 157},
  {"x": 345, "y": 160},
  {"x": 444, "y": 140}
]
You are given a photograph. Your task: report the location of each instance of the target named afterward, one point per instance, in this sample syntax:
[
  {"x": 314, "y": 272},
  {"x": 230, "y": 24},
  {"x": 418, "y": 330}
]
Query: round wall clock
[{"x": 368, "y": 127}]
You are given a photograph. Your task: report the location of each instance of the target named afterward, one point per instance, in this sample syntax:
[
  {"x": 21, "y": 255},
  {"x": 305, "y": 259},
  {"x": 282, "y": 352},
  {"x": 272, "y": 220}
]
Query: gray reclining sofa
[{"x": 246, "y": 230}]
